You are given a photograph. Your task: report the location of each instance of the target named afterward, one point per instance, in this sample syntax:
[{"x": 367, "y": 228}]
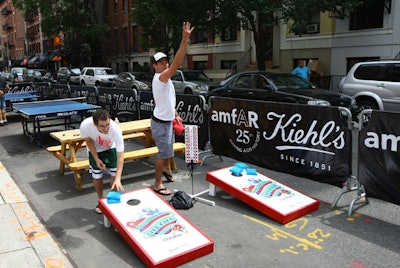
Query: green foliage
[{"x": 62, "y": 16}]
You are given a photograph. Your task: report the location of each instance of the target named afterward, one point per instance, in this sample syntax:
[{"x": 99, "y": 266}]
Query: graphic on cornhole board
[
  {"x": 159, "y": 234},
  {"x": 270, "y": 197}
]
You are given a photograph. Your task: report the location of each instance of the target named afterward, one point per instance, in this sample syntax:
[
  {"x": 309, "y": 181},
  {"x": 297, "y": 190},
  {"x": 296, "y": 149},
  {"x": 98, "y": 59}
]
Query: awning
[
  {"x": 39, "y": 61},
  {"x": 24, "y": 62},
  {"x": 32, "y": 60},
  {"x": 56, "y": 58}
]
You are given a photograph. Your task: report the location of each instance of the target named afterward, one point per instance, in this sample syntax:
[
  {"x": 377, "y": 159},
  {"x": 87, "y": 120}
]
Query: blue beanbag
[
  {"x": 236, "y": 171},
  {"x": 113, "y": 197},
  {"x": 251, "y": 171},
  {"x": 241, "y": 165}
]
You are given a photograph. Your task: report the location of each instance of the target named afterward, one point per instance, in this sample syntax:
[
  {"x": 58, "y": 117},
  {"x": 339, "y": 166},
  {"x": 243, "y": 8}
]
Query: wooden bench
[{"x": 79, "y": 166}]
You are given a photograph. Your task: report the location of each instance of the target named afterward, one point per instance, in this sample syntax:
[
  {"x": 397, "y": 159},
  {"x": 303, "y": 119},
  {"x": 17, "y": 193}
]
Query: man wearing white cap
[{"x": 164, "y": 111}]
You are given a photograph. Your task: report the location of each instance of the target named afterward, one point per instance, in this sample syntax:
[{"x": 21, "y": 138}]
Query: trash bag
[{"x": 181, "y": 200}]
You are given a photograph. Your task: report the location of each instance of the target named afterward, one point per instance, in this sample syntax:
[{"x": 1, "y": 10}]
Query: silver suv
[
  {"x": 192, "y": 82},
  {"x": 96, "y": 76},
  {"x": 374, "y": 85}
]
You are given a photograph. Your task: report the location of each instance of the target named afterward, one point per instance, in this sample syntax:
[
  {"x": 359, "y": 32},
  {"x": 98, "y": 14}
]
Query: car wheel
[
  {"x": 82, "y": 83},
  {"x": 365, "y": 104},
  {"x": 188, "y": 91},
  {"x": 97, "y": 84}
]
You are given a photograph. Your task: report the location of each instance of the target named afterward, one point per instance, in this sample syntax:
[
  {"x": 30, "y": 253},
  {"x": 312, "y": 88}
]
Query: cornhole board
[
  {"x": 158, "y": 234},
  {"x": 277, "y": 201}
]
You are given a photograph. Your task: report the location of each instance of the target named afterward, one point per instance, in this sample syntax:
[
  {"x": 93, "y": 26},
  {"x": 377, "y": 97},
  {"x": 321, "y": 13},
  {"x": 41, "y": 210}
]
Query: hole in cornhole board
[{"x": 133, "y": 202}]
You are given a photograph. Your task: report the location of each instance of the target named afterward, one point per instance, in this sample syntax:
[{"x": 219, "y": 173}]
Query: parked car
[
  {"x": 48, "y": 77},
  {"x": 17, "y": 73},
  {"x": 68, "y": 76},
  {"x": 7, "y": 76},
  {"x": 97, "y": 76},
  {"x": 374, "y": 85},
  {"x": 140, "y": 81},
  {"x": 280, "y": 87},
  {"x": 192, "y": 82},
  {"x": 33, "y": 75}
]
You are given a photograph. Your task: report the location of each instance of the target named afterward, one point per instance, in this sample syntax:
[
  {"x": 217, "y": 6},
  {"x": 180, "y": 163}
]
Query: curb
[{"x": 25, "y": 240}]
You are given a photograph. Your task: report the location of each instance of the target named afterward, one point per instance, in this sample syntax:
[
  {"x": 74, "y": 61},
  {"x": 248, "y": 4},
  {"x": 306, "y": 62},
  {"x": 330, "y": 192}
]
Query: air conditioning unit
[{"x": 313, "y": 28}]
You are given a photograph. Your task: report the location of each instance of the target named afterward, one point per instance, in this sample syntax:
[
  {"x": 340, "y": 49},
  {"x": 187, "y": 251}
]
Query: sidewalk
[{"x": 25, "y": 242}]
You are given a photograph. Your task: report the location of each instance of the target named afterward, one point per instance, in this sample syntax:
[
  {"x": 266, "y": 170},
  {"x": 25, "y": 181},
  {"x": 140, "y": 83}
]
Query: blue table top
[
  {"x": 53, "y": 108},
  {"x": 20, "y": 96}
]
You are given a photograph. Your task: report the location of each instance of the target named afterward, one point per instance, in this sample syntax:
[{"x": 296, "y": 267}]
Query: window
[
  {"x": 200, "y": 37},
  {"x": 378, "y": 72},
  {"x": 228, "y": 64},
  {"x": 352, "y": 61},
  {"x": 242, "y": 81},
  {"x": 395, "y": 75},
  {"x": 200, "y": 65},
  {"x": 229, "y": 34},
  {"x": 367, "y": 16}
]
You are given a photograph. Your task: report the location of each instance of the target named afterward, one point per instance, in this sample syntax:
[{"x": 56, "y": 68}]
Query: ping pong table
[
  {"x": 12, "y": 98},
  {"x": 62, "y": 112}
]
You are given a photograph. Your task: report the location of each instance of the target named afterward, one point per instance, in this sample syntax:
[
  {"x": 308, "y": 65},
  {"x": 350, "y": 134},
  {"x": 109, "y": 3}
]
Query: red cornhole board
[
  {"x": 272, "y": 198},
  {"x": 158, "y": 234}
]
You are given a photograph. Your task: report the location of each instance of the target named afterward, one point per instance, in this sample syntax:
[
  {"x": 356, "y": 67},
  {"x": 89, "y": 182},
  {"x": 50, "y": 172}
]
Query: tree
[
  {"x": 76, "y": 19},
  {"x": 161, "y": 20},
  {"x": 259, "y": 16}
]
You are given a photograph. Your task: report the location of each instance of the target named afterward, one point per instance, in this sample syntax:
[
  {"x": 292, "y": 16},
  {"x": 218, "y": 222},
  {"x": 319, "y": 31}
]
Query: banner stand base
[{"x": 350, "y": 185}]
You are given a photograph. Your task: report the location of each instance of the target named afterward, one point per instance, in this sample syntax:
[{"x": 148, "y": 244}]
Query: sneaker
[
  {"x": 5, "y": 122},
  {"x": 98, "y": 210},
  {"x": 1, "y": 124}
]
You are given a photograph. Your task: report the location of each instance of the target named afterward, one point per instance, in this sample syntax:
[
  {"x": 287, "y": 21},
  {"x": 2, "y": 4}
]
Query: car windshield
[
  {"x": 196, "y": 76},
  {"x": 76, "y": 71},
  {"x": 289, "y": 81},
  {"x": 103, "y": 71}
]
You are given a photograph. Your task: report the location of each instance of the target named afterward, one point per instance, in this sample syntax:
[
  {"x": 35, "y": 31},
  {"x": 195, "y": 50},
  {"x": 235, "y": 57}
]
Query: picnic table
[{"x": 71, "y": 142}]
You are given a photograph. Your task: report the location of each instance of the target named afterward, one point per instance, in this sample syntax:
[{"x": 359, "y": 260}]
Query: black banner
[
  {"x": 21, "y": 87},
  {"x": 307, "y": 141},
  {"x": 59, "y": 91},
  {"x": 89, "y": 92},
  {"x": 120, "y": 102},
  {"x": 192, "y": 110},
  {"x": 379, "y": 158}
]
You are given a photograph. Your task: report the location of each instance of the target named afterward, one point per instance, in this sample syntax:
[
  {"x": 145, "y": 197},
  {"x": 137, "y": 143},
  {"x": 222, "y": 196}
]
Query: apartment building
[
  {"x": 333, "y": 42},
  {"x": 338, "y": 40}
]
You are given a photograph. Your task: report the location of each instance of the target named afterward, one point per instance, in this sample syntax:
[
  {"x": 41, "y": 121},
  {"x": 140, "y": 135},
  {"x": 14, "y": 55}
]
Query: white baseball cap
[{"x": 158, "y": 56}]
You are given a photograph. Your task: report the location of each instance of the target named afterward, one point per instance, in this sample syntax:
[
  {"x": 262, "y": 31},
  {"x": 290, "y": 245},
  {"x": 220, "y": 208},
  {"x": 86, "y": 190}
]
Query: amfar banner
[
  {"x": 379, "y": 158},
  {"x": 307, "y": 141}
]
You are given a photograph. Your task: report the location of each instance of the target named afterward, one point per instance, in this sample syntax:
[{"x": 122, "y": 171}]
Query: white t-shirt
[
  {"x": 164, "y": 97},
  {"x": 102, "y": 141}
]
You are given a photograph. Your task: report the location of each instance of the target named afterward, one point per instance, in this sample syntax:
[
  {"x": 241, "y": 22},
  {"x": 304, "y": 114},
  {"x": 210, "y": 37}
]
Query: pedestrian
[
  {"x": 164, "y": 111},
  {"x": 302, "y": 70},
  {"x": 4, "y": 88},
  {"x": 105, "y": 145}
]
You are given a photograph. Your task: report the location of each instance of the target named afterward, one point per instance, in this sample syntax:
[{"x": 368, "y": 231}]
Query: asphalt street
[{"x": 243, "y": 237}]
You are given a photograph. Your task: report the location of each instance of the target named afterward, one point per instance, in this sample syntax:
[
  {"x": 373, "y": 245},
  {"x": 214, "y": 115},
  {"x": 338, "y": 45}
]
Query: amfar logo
[
  {"x": 382, "y": 141},
  {"x": 236, "y": 118},
  {"x": 245, "y": 141}
]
